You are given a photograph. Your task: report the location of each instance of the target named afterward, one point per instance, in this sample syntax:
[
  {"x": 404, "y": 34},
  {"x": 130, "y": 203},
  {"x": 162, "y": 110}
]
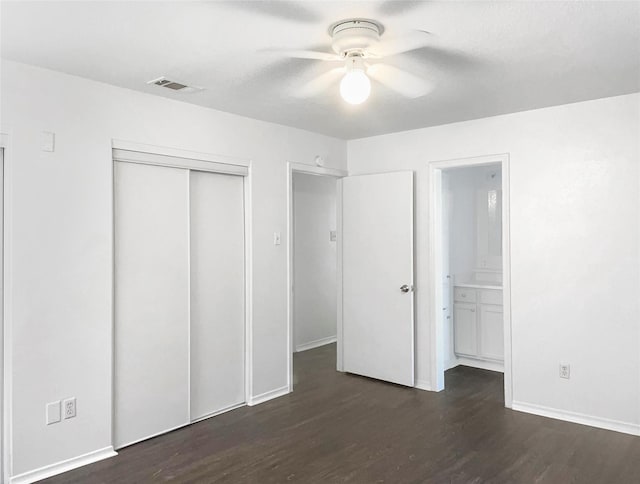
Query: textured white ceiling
[{"x": 486, "y": 57}]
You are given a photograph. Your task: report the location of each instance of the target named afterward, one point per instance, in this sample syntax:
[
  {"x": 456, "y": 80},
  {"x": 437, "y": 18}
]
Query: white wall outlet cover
[
  {"x": 48, "y": 142},
  {"x": 333, "y": 235},
  {"x": 565, "y": 370},
  {"x": 53, "y": 412},
  {"x": 69, "y": 406}
]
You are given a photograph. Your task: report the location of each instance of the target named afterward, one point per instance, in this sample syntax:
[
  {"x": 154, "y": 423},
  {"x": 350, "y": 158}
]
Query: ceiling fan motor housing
[{"x": 354, "y": 35}]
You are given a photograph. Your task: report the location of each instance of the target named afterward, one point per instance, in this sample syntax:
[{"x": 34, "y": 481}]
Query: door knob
[{"x": 406, "y": 288}]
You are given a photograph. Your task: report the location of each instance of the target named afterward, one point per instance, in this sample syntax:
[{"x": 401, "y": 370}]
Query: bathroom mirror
[{"x": 489, "y": 225}]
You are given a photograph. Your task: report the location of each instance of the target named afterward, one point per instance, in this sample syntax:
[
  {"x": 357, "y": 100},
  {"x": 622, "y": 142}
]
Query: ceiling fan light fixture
[{"x": 355, "y": 86}]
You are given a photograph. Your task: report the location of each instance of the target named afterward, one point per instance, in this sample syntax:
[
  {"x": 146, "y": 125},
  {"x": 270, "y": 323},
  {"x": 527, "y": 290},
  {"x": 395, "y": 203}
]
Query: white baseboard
[
  {"x": 423, "y": 385},
  {"x": 315, "y": 344},
  {"x": 482, "y": 364},
  {"x": 270, "y": 395},
  {"x": 63, "y": 466},
  {"x": 579, "y": 418},
  {"x": 451, "y": 364}
]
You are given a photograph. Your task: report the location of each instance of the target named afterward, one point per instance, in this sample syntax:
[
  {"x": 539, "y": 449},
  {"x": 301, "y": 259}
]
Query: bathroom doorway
[{"x": 471, "y": 287}]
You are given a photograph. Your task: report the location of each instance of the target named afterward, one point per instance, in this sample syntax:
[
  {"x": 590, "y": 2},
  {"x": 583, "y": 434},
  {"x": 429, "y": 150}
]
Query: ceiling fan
[{"x": 358, "y": 44}]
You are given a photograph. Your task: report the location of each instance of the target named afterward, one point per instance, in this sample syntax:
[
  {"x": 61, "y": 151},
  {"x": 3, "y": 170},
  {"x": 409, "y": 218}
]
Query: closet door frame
[{"x": 132, "y": 152}]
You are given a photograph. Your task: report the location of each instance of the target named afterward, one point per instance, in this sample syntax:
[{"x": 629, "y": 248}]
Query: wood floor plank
[{"x": 340, "y": 428}]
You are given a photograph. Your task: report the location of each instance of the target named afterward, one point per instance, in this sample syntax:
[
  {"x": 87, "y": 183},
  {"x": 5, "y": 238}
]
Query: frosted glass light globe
[{"x": 355, "y": 87}]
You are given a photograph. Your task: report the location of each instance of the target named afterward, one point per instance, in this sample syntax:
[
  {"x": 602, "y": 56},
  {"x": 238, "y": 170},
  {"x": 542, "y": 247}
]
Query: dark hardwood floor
[{"x": 343, "y": 428}]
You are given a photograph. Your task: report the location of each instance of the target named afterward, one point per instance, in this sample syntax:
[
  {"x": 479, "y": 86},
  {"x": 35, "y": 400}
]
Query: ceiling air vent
[{"x": 173, "y": 85}]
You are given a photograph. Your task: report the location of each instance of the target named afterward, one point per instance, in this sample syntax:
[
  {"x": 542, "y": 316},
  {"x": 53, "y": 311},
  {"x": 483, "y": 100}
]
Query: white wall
[
  {"x": 575, "y": 223},
  {"x": 60, "y": 241},
  {"x": 314, "y": 260}
]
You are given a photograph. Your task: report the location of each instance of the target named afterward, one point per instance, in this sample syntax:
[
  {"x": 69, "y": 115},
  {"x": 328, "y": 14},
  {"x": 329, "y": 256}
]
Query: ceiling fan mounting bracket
[{"x": 355, "y": 35}]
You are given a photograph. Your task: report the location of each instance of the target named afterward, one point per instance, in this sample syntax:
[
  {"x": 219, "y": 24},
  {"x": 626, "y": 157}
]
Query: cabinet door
[
  {"x": 491, "y": 332},
  {"x": 464, "y": 324}
]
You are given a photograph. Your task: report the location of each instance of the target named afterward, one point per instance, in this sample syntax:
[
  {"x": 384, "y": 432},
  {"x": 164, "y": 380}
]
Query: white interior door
[
  {"x": 377, "y": 261},
  {"x": 151, "y": 301},
  {"x": 217, "y": 292},
  {"x": 2, "y": 430}
]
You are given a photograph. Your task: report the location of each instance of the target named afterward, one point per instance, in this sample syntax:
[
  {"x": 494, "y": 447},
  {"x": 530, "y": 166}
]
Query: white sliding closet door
[
  {"x": 151, "y": 301},
  {"x": 217, "y": 292}
]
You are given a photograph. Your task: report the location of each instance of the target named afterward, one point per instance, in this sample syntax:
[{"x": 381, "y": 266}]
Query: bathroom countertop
[{"x": 480, "y": 285}]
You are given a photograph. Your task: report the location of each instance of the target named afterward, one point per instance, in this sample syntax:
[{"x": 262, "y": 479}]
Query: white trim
[
  {"x": 578, "y": 418},
  {"x": 436, "y": 331},
  {"x": 339, "y": 281},
  {"x": 112, "y": 336},
  {"x": 435, "y": 276},
  {"x": 316, "y": 170},
  {"x": 506, "y": 281},
  {"x": 248, "y": 291},
  {"x": 188, "y": 215},
  {"x": 316, "y": 343},
  {"x": 270, "y": 395},
  {"x": 117, "y": 144},
  {"x": 451, "y": 364},
  {"x": 6, "y": 463},
  {"x": 63, "y": 466},
  {"x": 423, "y": 385},
  {"x": 481, "y": 364},
  {"x": 176, "y": 162},
  {"x": 310, "y": 170}
]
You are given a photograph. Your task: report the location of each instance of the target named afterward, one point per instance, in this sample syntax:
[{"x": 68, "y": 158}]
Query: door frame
[
  {"x": 318, "y": 171},
  {"x": 5, "y": 320},
  {"x": 196, "y": 161},
  {"x": 435, "y": 264}
]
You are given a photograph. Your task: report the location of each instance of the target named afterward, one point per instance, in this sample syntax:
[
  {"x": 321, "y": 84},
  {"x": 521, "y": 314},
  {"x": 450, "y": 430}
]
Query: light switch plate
[
  {"x": 333, "y": 236},
  {"x": 53, "y": 412},
  {"x": 48, "y": 141},
  {"x": 276, "y": 238}
]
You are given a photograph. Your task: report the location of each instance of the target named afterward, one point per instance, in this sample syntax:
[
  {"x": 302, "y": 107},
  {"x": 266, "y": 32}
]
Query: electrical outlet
[
  {"x": 53, "y": 412},
  {"x": 565, "y": 370},
  {"x": 69, "y": 406},
  {"x": 48, "y": 141}
]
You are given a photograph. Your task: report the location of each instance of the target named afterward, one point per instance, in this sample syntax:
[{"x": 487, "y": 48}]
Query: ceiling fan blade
[
  {"x": 445, "y": 58},
  {"x": 319, "y": 84},
  {"x": 280, "y": 9},
  {"x": 398, "y": 7},
  {"x": 397, "y": 45},
  {"x": 402, "y": 82},
  {"x": 306, "y": 54}
]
